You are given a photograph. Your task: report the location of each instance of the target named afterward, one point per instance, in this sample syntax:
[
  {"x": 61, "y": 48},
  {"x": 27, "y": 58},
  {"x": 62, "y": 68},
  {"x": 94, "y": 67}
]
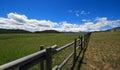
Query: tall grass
[{"x": 14, "y": 46}]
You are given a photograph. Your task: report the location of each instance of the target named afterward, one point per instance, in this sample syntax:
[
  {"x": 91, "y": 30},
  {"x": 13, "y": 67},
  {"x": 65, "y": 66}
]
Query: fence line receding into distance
[{"x": 29, "y": 61}]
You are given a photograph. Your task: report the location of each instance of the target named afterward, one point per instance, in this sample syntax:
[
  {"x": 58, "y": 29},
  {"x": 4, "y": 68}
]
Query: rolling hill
[
  {"x": 48, "y": 31},
  {"x": 116, "y": 29},
  {"x": 8, "y": 31}
]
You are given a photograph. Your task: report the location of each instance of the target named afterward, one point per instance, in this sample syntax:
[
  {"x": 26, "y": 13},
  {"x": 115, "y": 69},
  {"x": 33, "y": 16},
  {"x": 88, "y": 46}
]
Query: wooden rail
[{"x": 45, "y": 54}]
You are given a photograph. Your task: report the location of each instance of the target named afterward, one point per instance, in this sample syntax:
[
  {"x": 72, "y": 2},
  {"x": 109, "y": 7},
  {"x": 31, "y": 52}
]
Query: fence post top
[{"x": 41, "y": 45}]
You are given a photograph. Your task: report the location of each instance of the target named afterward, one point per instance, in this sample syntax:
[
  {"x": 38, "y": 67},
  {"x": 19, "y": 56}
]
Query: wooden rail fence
[{"x": 29, "y": 61}]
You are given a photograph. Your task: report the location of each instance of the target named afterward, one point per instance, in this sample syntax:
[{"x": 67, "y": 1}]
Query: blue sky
[{"x": 61, "y": 15}]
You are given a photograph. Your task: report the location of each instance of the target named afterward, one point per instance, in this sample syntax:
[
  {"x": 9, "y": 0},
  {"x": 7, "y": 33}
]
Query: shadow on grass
[{"x": 80, "y": 57}]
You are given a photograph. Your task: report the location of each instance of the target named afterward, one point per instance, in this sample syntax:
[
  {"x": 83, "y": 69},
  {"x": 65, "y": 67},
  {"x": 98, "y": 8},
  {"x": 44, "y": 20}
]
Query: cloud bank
[{"x": 18, "y": 21}]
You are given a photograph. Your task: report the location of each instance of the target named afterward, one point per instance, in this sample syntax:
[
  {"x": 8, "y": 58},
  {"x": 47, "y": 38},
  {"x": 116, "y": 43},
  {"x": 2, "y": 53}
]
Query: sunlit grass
[
  {"x": 14, "y": 46},
  {"x": 103, "y": 52}
]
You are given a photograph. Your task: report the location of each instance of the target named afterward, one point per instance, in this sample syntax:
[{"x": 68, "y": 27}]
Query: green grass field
[
  {"x": 103, "y": 52},
  {"x": 14, "y": 46}
]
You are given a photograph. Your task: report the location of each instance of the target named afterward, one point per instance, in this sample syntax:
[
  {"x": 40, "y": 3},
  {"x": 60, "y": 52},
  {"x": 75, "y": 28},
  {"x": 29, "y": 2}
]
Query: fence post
[
  {"x": 49, "y": 59},
  {"x": 81, "y": 42},
  {"x": 84, "y": 40},
  {"x": 75, "y": 49},
  {"x": 42, "y": 63}
]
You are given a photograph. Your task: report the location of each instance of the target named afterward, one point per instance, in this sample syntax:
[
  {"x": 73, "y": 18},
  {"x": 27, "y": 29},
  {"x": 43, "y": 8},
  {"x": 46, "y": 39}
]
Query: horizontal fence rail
[
  {"x": 17, "y": 63},
  {"x": 29, "y": 61}
]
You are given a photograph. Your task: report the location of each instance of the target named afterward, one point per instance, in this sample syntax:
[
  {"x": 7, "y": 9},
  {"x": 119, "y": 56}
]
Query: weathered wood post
[
  {"x": 49, "y": 59},
  {"x": 42, "y": 63},
  {"x": 81, "y": 42},
  {"x": 84, "y": 40},
  {"x": 75, "y": 49}
]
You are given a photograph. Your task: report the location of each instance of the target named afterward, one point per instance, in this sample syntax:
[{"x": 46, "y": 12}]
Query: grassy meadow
[
  {"x": 14, "y": 46},
  {"x": 103, "y": 52}
]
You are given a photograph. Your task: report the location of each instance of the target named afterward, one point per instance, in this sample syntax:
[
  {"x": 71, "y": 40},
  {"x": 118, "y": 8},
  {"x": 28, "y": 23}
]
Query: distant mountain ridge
[
  {"x": 47, "y": 31},
  {"x": 8, "y": 31},
  {"x": 116, "y": 29}
]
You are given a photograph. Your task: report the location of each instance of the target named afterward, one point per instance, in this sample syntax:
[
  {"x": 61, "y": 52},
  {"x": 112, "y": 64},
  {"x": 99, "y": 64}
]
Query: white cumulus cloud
[
  {"x": 100, "y": 23},
  {"x": 18, "y": 21}
]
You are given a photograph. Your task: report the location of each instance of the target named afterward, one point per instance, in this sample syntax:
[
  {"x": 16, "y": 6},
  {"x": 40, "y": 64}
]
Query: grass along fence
[{"x": 46, "y": 54}]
